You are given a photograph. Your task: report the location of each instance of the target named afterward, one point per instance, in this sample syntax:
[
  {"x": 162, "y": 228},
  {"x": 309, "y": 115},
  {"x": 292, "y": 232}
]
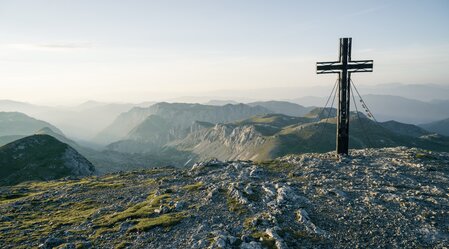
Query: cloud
[{"x": 55, "y": 46}]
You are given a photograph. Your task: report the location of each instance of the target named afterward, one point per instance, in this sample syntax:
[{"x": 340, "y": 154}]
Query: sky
[{"x": 65, "y": 51}]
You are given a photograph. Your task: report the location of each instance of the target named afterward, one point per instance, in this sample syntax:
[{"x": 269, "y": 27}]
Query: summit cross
[{"x": 344, "y": 67}]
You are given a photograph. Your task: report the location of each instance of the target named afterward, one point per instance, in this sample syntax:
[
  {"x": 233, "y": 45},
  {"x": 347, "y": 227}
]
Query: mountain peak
[
  {"x": 40, "y": 157},
  {"x": 45, "y": 130}
]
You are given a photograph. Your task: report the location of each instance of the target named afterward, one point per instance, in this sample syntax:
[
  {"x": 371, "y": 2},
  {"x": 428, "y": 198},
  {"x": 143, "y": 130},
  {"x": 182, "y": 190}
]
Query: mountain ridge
[
  {"x": 274, "y": 135},
  {"x": 440, "y": 126},
  {"x": 40, "y": 157},
  {"x": 182, "y": 115}
]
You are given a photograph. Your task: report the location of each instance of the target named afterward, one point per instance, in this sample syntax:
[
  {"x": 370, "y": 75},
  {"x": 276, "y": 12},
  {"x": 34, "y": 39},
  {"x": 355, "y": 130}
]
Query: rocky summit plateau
[{"x": 375, "y": 198}]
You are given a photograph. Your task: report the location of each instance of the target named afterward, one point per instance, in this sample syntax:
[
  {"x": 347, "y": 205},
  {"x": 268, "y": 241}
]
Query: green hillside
[
  {"x": 269, "y": 136},
  {"x": 40, "y": 157},
  {"x": 8, "y": 139}
]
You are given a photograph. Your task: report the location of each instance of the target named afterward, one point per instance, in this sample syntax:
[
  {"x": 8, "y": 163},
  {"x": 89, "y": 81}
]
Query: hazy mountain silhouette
[
  {"x": 283, "y": 107},
  {"x": 16, "y": 123},
  {"x": 440, "y": 126},
  {"x": 81, "y": 122},
  {"x": 389, "y": 107}
]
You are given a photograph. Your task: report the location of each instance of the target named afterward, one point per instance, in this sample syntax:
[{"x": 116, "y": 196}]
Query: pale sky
[{"x": 62, "y": 51}]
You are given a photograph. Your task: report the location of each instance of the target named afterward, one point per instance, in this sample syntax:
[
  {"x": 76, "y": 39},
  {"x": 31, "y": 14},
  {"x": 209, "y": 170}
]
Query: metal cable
[
  {"x": 360, "y": 120},
  {"x": 328, "y": 114},
  {"x": 333, "y": 89},
  {"x": 364, "y": 103}
]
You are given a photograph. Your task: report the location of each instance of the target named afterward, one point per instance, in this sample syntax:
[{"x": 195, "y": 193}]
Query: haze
[{"x": 66, "y": 52}]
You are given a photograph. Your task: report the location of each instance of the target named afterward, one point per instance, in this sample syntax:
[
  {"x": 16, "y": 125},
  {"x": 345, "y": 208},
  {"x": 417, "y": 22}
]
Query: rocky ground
[{"x": 376, "y": 198}]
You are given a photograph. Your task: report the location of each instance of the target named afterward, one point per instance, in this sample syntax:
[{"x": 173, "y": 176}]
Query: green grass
[
  {"x": 74, "y": 213},
  {"x": 41, "y": 217},
  {"x": 165, "y": 220},
  {"x": 103, "y": 230},
  {"x": 151, "y": 182},
  {"x": 248, "y": 223},
  {"x": 123, "y": 244},
  {"x": 42, "y": 222},
  {"x": 143, "y": 215},
  {"x": 424, "y": 156},
  {"x": 193, "y": 187},
  {"x": 140, "y": 210},
  {"x": 276, "y": 166}
]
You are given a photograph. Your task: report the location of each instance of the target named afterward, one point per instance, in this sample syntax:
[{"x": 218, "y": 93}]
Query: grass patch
[
  {"x": 42, "y": 185},
  {"x": 165, "y": 220},
  {"x": 248, "y": 223},
  {"x": 75, "y": 213},
  {"x": 140, "y": 210},
  {"x": 276, "y": 166},
  {"x": 193, "y": 187},
  {"x": 123, "y": 244},
  {"x": 103, "y": 230},
  {"x": 151, "y": 182},
  {"x": 424, "y": 156},
  {"x": 106, "y": 185},
  {"x": 37, "y": 223}
]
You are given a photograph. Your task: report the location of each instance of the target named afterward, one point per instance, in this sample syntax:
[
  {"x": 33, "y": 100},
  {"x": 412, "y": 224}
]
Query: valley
[{"x": 180, "y": 134}]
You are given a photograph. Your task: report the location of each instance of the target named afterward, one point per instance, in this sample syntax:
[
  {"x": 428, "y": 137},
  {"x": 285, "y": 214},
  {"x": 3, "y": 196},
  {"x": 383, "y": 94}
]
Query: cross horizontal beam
[{"x": 337, "y": 66}]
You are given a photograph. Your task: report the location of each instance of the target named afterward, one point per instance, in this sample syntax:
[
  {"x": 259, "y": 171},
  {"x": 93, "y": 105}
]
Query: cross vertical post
[
  {"x": 343, "y": 99},
  {"x": 344, "y": 67}
]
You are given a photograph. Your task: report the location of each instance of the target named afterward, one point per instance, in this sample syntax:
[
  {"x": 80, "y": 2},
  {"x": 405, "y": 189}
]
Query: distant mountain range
[
  {"x": 180, "y": 134},
  {"x": 176, "y": 128},
  {"x": 177, "y": 118},
  {"x": 40, "y": 157},
  {"x": 15, "y": 126},
  {"x": 440, "y": 126},
  {"x": 416, "y": 104},
  {"x": 389, "y": 107},
  {"x": 16, "y": 123},
  {"x": 423, "y": 92},
  {"x": 283, "y": 107},
  {"x": 81, "y": 122}
]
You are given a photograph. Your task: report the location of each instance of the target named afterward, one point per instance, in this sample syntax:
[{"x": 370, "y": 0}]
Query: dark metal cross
[{"x": 344, "y": 67}]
